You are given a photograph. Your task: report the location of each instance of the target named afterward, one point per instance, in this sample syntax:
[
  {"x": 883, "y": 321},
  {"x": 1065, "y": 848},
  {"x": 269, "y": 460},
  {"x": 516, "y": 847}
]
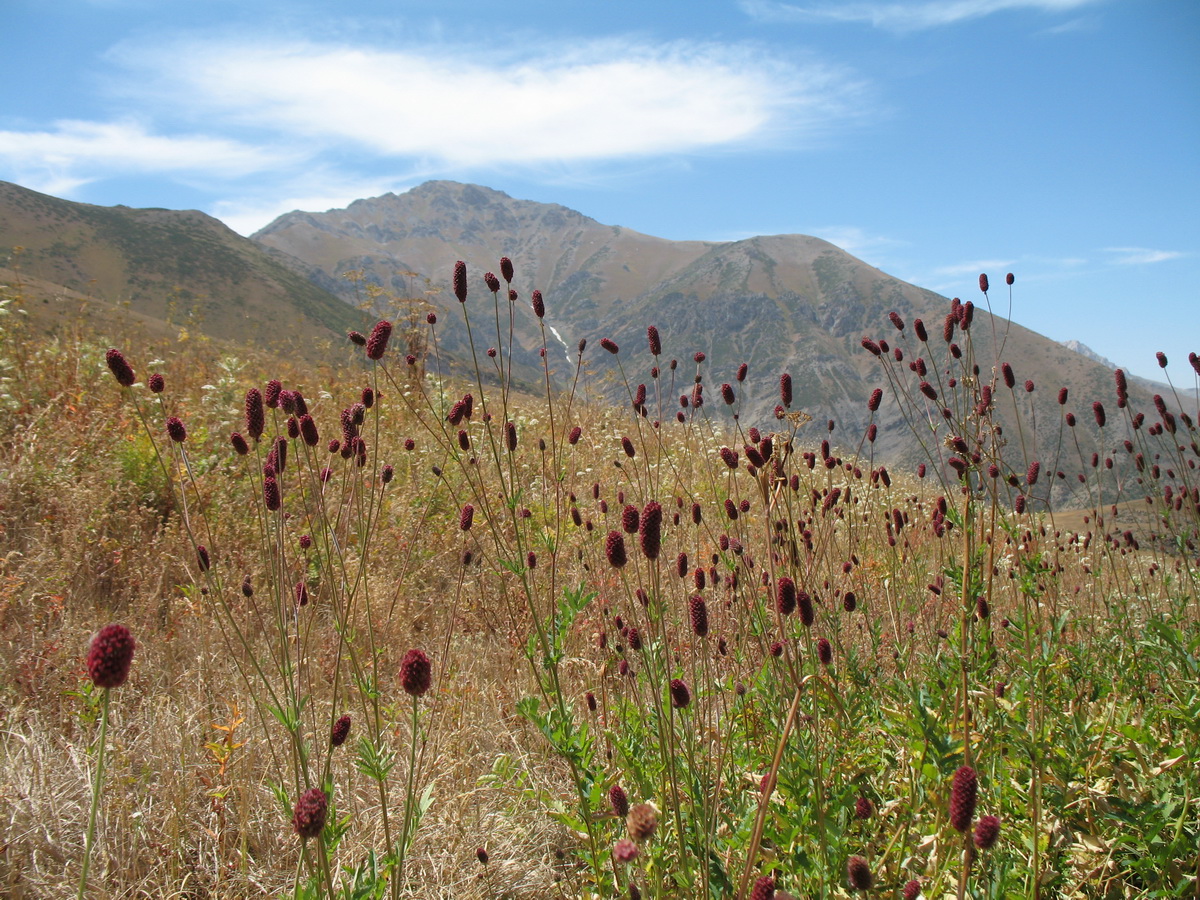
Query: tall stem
[{"x": 97, "y": 786}]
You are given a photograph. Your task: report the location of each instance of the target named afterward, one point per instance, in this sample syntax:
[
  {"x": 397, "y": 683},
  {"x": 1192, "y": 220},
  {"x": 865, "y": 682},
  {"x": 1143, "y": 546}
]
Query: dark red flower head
[
  {"x": 983, "y": 283},
  {"x": 698, "y": 614},
  {"x": 785, "y": 389},
  {"x": 492, "y": 282},
  {"x": 764, "y": 889},
  {"x": 610, "y": 345},
  {"x": 309, "y": 816},
  {"x": 614, "y": 549},
  {"x": 176, "y": 430},
  {"x": 681, "y": 697},
  {"x": 416, "y": 673},
  {"x": 506, "y": 269},
  {"x": 357, "y": 338},
  {"x": 650, "y": 529},
  {"x": 341, "y": 730},
  {"x": 987, "y": 832},
  {"x": 539, "y": 305},
  {"x": 1009, "y": 279},
  {"x": 964, "y": 792},
  {"x": 876, "y": 399},
  {"x": 378, "y": 341},
  {"x": 460, "y": 281},
  {"x": 857, "y": 871},
  {"x": 120, "y": 368},
  {"x": 156, "y": 383},
  {"x": 255, "y": 415},
  {"x": 655, "y": 341},
  {"x": 110, "y": 656}
]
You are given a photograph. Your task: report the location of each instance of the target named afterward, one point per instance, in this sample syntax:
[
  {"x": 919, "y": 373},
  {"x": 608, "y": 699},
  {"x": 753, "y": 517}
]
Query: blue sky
[{"x": 1057, "y": 139}]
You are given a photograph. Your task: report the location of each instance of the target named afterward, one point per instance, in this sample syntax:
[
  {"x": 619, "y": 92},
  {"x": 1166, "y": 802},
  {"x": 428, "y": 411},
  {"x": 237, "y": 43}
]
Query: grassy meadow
[{"x": 584, "y": 651}]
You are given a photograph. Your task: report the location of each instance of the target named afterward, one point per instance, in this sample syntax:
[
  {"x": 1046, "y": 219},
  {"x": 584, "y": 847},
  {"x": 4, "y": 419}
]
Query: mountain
[
  {"x": 171, "y": 269},
  {"x": 783, "y": 303}
]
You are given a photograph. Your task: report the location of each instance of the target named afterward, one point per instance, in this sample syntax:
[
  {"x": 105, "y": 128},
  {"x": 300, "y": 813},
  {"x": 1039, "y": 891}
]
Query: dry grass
[{"x": 94, "y": 530}]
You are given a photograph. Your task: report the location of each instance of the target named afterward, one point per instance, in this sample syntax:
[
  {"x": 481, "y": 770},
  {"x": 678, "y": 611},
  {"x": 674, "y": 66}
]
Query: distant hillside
[
  {"x": 785, "y": 303},
  {"x": 180, "y": 268}
]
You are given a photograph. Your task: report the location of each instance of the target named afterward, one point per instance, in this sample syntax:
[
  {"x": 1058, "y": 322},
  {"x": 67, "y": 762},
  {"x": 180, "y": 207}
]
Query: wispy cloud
[
  {"x": 1140, "y": 256},
  {"x": 855, "y": 240},
  {"x": 900, "y": 16},
  {"x": 442, "y": 105},
  {"x": 72, "y": 153}
]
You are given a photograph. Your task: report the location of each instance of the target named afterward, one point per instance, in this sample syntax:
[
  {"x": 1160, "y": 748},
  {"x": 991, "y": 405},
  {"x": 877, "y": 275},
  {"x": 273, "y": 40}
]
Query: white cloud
[
  {"x": 900, "y": 16},
  {"x": 855, "y": 240},
  {"x": 74, "y": 153},
  {"x": 600, "y": 102},
  {"x": 1140, "y": 256}
]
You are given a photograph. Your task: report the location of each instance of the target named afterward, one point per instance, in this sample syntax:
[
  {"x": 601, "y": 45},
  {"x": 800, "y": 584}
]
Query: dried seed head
[
  {"x": 416, "y": 673},
  {"x": 110, "y": 655},
  {"x": 341, "y": 730},
  {"x": 642, "y": 821},
  {"x": 858, "y": 873},
  {"x": 963, "y": 794},
  {"x": 309, "y": 816},
  {"x": 459, "y": 281}
]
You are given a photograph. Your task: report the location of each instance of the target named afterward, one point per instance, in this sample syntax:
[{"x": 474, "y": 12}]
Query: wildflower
[
  {"x": 539, "y": 305},
  {"x": 825, "y": 652},
  {"x": 110, "y": 655},
  {"x": 1098, "y": 412},
  {"x": 202, "y": 559},
  {"x": 156, "y": 383},
  {"x": 609, "y": 345},
  {"x": 466, "y": 517},
  {"x": 378, "y": 341},
  {"x": 764, "y": 888},
  {"x": 176, "y": 430},
  {"x": 963, "y": 794},
  {"x": 357, "y": 338},
  {"x": 481, "y": 854},
  {"x": 857, "y": 870},
  {"x": 255, "y": 417},
  {"x": 912, "y": 889},
  {"x": 650, "y": 529},
  {"x": 341, "y": 730},
  {"x": 618, "y": 800},
  {"x": 785, "y": 596},
  {"x": 308, "y": 428},
  {"x": 680, "y": 695},
  {"x": 120, "y": 368},
  {"x": 654, "y": 340},
  {"x": 785, "y": 389},
  {"x": 300, "y": 592},
  {"x": 805, "y": 604},
  {"x": 309, "y": 816},
  {"x": 614, "y": 549},
  {"x": 698, "y": 614},
  {"x": 460, "y": 281},
  {"x": 987, "y": 832},
  {"x": 239, "y": 444},
  {"x": 415, "y": 673},
  {"x": 625, "y": 851},
  {"x": 492, "y": 282},
  {"x": 864, "y": 808},
  {"x": 876, "y": 399},
  {"x": 983, "y": 283}
]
